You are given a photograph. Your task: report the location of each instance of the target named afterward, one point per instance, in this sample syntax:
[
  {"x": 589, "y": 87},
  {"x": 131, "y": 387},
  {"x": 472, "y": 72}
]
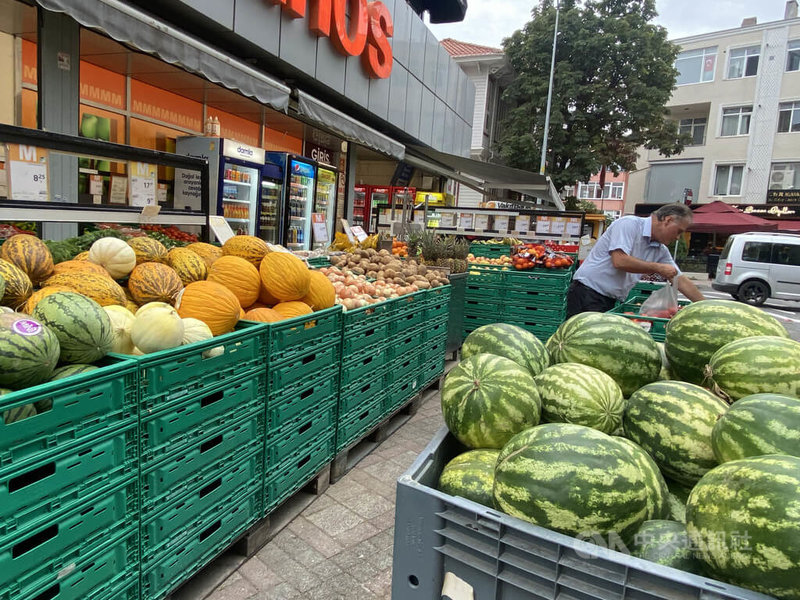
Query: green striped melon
[
  {"x": 744, "y": 516},
  {"x": 471, "y": 476},
  {"x": 672, "y": 421},
  {"x": 756, "y": 425},
  {"x": 658, "y": 493},
  {"x": 666, "y": 543},
  {"x": 676, "y": 500},
  {"x": 82, "y": 326},
  {"x": 511, "y": 341},
  {"x": 702, "y": 328},
  {"x": 664, "y": 374},
  {"x": 755, "y": 365},
  {"x": 486, "y": 399},
  {"x": 70, "y": 370},
  {"x": 580, "y": 394},
  {"x": 610, "y": 343},
  {"x": 572, "y": 479},
  {"x": 29, "y": 351},
  {"x": 18, "y": 413}
]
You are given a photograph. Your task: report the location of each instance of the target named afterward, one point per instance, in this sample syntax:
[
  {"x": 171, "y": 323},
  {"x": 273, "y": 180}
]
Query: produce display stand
[
  {"x": 441, "y": 539},
  {"x": 655, "y": 326}
]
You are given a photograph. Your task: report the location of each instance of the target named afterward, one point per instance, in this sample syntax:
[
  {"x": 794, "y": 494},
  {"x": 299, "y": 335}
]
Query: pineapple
[
  {"x": 429, "y": 247},
  {"x": 413, "y": 244}
]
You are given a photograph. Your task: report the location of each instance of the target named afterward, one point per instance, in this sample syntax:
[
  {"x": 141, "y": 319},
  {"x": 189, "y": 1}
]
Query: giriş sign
[{"x": 370, "y": 29}]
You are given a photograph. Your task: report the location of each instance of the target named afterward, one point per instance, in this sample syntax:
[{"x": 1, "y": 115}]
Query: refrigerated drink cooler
[
  {"x": 325, "y": 201},
  {"x": 299, "y": 176},
  {"x": 270, "y": 224}
]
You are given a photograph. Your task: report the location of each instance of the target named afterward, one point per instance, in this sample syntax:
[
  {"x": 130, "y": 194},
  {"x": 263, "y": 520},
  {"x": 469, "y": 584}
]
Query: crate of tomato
[{"x": 531, "y": 255}]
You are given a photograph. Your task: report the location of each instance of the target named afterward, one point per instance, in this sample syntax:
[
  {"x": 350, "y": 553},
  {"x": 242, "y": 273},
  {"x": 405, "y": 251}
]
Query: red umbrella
[{"x": 719, "y": 217}]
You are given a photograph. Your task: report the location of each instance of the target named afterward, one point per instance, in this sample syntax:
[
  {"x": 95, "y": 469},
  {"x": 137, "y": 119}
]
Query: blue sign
[{"x": 302, "y": 169}]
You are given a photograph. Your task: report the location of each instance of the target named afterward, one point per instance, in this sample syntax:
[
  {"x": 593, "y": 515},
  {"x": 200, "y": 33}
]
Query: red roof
[{"x": 456, "y": 48}]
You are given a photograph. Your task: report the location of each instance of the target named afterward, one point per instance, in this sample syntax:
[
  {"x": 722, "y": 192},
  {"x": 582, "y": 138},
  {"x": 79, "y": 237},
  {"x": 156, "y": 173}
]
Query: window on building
[
  {"x": 696, "y": 66},
  {"x": 587, "y": 190},
  {"x": 736, "y": 120},
  {"x": 611, "y": 191},
  {"x": 793, "y": 56},
  {"x": 789, "y": 117},
  {"x": 728, "y": 180},
  {"x": 743, "y": 62},
  {"x": 696, "y": 128},
  {"x": 785, "y": 176}
]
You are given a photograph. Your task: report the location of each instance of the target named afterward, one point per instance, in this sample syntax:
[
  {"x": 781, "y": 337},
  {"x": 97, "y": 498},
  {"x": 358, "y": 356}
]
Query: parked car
[{"x": 756, "y": 266}]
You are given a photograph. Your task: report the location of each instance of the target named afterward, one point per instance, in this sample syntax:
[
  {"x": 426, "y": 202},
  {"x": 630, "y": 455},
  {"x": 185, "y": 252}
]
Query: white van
[{"x": 756, "y": 266}]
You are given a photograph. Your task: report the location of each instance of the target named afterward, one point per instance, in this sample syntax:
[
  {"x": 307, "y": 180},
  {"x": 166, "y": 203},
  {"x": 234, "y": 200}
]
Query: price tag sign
[
  {"x": 449, "y": 219},
  {"x": 573, "y": 227},
  {"x": 465, "y": 221},
  {"x": 558, "y": 225},
  {"x": 501, "y": 223},
  {"x": 481, "y": 222},
  {"x": 96, "y": 185},
  {"x": 222, "y": 230},
  {"x": 543, "y": 225},
  {"x": 359, "y": 233},
  {"x": 142, "y": 184},
  {"x": 161, "y": 193},
  {"x": 522, "y": 223},
  {"x": 119, "y": 189},
  {"x": 319, "y": 227},
  {"x": 27, "y": 173}
]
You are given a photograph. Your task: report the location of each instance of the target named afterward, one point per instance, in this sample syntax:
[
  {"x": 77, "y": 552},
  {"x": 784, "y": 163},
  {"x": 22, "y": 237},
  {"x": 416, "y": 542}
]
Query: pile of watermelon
[{"x": 685, "y": 453}]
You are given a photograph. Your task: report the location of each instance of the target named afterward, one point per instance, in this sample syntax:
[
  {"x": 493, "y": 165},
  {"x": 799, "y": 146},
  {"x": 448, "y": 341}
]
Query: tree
[{"x": 614, "y": 74}]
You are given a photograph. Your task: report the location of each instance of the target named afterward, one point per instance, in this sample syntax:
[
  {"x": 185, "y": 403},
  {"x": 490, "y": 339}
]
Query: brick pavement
[{"x": 340, "y": 546}]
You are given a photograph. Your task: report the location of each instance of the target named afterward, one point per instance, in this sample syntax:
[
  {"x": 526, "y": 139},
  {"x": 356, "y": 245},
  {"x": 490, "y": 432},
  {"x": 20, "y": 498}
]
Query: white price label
[
  {"x": 501, "y": 223},
  {"x": 143, "y": 191},
  {"x": 28, "y": 181},
  {"x": 481, "y": 222},
  {"x": 465, "y": 221},
  {"x": 96, "y": 185},
  {"x": 319, "y": 227},
  {"x": 222, "y": 230},
  {"x": 359, "y": 233},
  {"x": 119, "y": 189}
]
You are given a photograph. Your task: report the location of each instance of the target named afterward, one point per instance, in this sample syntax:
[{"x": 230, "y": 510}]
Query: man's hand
[{"x": 668, "y": 272}]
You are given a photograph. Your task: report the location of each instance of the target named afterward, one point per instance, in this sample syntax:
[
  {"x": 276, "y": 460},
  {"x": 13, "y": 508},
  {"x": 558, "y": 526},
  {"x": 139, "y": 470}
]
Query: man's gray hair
[{"x": 677, "y": 210}]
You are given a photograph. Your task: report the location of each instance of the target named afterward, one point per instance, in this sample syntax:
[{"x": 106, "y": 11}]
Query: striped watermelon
[
  {"x": 756, "y": 425},
  {"x": 702, "y": 328},
  {"x": 70, "y": 370},
  {"x": 18, "y": 413},
  {"x": 610, "y": 343},
  {"x": 744, "y": 516},
  {"x": 672, "y": 421},
  {"x": 657, "y": 491},
  {"x": 486, "y": 399},
  {"x": 572, "y": 479},
  {"x": 579, "y": 394},
  {"x": 755, "y": 365},
  {"x": 29, "y": 351},
  {"x": 676, "y": 500},
  {"x": 511, "y": 341},
  {"x": 2, "y": 285},
  {"x": 471, "y": 476},
  {"x": 82, "y": 326},
  {"x": 666, "y": 543}
]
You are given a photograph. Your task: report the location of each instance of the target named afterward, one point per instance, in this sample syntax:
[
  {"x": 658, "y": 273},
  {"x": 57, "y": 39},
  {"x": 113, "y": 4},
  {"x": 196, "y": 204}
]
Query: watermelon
[
  {"x": 756, "y": 425},
  {"x": 575, "y": 393},
  {"x": 511, "y": 341},
  {"x": 676, "y": 500},
  {"x": 664, "y": 374},
  {"x": 702, "y": 328},
  {"x": 471, "y": 476},
  {"x": 18, "y": 413},
  {"x": 29, "y": 351},
  {"x": 69, "y": 370},
  {"x": 672, "y": 421},
  {"x": 486, "y": 399},
  {"x": 744, "y": 516},
  {"x": 610, "y": 343},
  {"x": 572, "y": 479},
  {"x": 666, "y": 543},
  {"x": 658, "y": 493},
  {"x": 755, "y": 365},
  {"x": 82, "y": 326}
]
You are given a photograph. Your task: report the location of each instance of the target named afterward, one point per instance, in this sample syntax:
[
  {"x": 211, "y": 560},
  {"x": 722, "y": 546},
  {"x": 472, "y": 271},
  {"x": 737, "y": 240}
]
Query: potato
[
  {"x": 423, "y": 285},
  {"x": 422, "y": 269},
  {"x": 372, "y": 274},
  {"x": 390, "y": 273}
]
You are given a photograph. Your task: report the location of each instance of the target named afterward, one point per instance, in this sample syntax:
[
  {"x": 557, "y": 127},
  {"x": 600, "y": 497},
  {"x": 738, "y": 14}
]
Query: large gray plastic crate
[{"x": 504, "y": 558}]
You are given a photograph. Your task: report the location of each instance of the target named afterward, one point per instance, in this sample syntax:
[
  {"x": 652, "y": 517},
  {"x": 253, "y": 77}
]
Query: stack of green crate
[
  {"x": 303, "y": 384},
  {"x": 69, "y": 489},
  {"x": 435, "y": 326},
  {"x": 478, "y": 249},
  {"x": 365, "y": 380},
  {"x": 319, "y": 261},
  {"x": 201, "y": 452},
  {"x": 484, "y": 296},
  {"x": 655, "y": 326}
]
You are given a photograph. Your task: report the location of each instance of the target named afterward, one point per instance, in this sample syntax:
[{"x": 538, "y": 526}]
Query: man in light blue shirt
[{"x": 630, "y": 247}]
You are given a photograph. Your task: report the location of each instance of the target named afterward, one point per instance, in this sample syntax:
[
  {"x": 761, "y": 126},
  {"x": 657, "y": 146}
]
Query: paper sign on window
[
  {"x": 28, "y": 175},
  {"x": 142, "y": 185}
]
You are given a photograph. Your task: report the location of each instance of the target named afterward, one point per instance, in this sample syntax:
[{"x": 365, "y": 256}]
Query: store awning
[
  {"x": 135, "y": 28},
  {"x": 327, "y": 117},
  {"x": 720, "y": 217},
  {"x": 483, "y": 176}
]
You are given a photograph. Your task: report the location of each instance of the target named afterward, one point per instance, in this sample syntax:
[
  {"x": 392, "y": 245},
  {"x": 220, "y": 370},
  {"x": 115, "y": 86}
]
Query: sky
[{"x": 489, "y": 21}]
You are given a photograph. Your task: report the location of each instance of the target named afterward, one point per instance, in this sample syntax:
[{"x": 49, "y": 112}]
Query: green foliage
[{"x": 614, "y": 74}]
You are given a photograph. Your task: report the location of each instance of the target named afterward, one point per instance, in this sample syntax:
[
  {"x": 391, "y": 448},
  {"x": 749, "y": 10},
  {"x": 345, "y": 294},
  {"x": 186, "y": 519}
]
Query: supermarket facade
[{"x": 361, "y": 87}]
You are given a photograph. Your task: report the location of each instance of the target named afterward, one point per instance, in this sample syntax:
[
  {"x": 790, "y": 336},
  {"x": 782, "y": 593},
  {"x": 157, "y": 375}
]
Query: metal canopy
[{"x": 133, "y": 27}]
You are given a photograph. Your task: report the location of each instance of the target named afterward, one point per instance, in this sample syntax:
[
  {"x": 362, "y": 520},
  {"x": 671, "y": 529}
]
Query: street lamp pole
[{"x": 549, "y": 96}]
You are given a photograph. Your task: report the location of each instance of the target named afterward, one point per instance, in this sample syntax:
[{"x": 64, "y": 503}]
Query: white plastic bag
[{"x": 662, "y": 304}]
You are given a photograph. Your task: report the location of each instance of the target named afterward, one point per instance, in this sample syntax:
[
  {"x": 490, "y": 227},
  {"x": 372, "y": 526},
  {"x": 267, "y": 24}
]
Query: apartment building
[{"x": 738, "y": 96}]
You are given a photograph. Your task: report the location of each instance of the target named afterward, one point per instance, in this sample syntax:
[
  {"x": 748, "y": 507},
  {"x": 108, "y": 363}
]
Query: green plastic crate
[
  {"x": 536, "y": 298},
  {"x": 187, "y": 420},
  {"x": 430, "y": 371},
  {"x": 291, "y": 475},
  {"x": 485, "y": 275},
  {"x": 207, "y": 536},
  {"x": 108, "y": 571},
  {"x": 242, "y": 479},
  {"x": 82, "y": 407},
  {"x": 361, "y": 393},
  {"x": 292, "y": 338},
  {"x": 305, "y": 428},
  {"x": 182, "y": 371},
  {"x": 370, "y": 316},
  {"x": 367, "y": 365},
  {"x": 533, "y": 314},
  {"x": 437, "y": 303},
  {"x": 55, "y": 541},
  {"x": 655, "y": 326},
  {"x": 483, "y": 308},
  {"x": 405, "y": 322},
  {"x": 401, "y": 392},
  {"x": 173, "y": 475},
  {"x": 478, "y": 291},
  {"x": 489, "y": 250},
  {"x": 405, "y": 343},
  {"x": 356, "y": 423},
  {"x": 433, "y": 351},
  {"x": 471, "y": 323},
  {"x": 318, "y": 261},
  {"x": 556, "y": 280},
  {"x": 410, "y": 304},
  {"x": 644, "y": 288},
  {"x": 435, "y": 329},
  {"x": 363, "y": 339},
  {"x": 303, "y": 367},
  {"x": 404, "y": 368},
  {"x": 63, "y": 479},
  {"x": 285, "y": 404}
]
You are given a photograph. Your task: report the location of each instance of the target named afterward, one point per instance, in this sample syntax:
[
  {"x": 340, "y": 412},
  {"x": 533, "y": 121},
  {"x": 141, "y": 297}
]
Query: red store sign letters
[{"x": 370, "y": 29}]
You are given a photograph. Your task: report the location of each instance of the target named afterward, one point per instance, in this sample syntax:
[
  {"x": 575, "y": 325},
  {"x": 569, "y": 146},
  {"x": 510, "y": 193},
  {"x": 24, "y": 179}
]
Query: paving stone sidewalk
[{"x": 340, "y": 546}]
